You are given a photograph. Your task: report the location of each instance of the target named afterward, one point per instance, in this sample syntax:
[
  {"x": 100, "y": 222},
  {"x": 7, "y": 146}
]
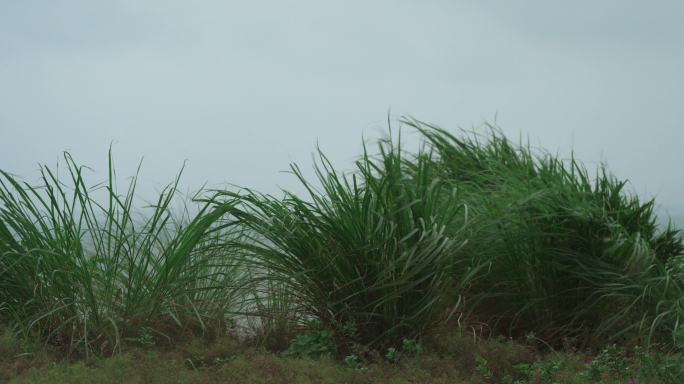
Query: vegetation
[
  {"x": 521, "y": 265},
  {"x": 568, "y": 256},
  {"x": 453, "y": 358},
  {"x": 84, "y": 275},
  {"x": 369, "y": 256}
]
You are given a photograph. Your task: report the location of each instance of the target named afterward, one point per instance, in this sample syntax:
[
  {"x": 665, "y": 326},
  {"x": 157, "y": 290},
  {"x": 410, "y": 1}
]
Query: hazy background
[{"x": 242, "y": 88}]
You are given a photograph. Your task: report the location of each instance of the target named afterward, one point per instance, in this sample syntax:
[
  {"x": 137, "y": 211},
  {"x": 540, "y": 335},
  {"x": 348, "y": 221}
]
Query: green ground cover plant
[{"x": 456, "y": 358}]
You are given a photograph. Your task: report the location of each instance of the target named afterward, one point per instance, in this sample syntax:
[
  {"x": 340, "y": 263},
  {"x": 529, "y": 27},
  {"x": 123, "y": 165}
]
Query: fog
[{"x": 241, "y": 89}]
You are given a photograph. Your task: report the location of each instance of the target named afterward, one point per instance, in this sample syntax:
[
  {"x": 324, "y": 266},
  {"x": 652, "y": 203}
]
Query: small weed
[
  {"x": 392, "y": 354},
  {"x": 526, "y": 370},
  {"x": 538, "y": 371},
  {"x": 349, "y": 330},
  {"x": 412, "y": 347},
  {"x": 145, "y": 338},
  {"x": 668, "y": 369},
  {"x": 315, "y": 344},
  {"x": 353, "y": 361},
  {"x": 409, "y": 347},
  {"x": 611, "y": 362},
  {"x": 482, "y": 368}
]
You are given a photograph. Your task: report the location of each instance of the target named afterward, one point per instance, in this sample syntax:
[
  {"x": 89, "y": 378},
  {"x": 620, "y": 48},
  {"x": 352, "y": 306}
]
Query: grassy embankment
[{"x": 472, "y": 239}]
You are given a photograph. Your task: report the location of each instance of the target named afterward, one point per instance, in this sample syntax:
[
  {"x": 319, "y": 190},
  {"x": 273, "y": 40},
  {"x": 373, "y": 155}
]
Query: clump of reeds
[
  {"x": 84, "y": 273},
  {"x": 522, "y": 241},
  {"x": 569, "y": 255},
  {"x": 371, "y": 255}
]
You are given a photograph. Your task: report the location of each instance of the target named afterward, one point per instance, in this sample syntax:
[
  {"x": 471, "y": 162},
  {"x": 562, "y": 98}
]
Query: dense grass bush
[
  {"x": 84, "y": 273},
  {"x": 518, "y": 240},
  {"x": 568, "y": 255},
  {"x": 368, "y": 254}
]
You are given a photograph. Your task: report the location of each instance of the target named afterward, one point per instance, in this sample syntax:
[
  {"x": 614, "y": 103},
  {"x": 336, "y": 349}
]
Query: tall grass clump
[
  {"x": 85, "y": 272},
  {"x": 366, "y": 254},
  {"x": 569, "y": 255}
]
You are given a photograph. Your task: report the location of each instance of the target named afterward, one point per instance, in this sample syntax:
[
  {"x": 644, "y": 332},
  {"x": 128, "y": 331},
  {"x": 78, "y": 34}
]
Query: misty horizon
[{"x": 241, "y": 90}]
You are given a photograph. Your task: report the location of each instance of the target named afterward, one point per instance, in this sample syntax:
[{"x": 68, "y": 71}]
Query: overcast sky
[{"x": 242, "y": 88}]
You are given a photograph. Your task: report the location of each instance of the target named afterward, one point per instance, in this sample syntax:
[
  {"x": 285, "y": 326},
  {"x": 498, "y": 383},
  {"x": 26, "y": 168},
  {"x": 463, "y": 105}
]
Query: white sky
[{"x": 242, "y": 88}]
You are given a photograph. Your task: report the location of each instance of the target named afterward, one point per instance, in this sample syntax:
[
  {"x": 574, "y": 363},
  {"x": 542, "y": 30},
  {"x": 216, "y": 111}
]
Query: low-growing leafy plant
[
  {"x": 667, "y": 369},
  {"x": 144, "y": 339},
  {"x": 355, "y": 357},
  {"x": 349, "y": 330},
  {"x": 353, "y": 361},
  {"x": 411, "y": 347},
  {"x": 392, "y": 354},
  {"x": 538, "y": 372},
  {"x": 611, "y": 362},
  {"x": 314, "y": 344},
  {"x": 482, "y": 368}
]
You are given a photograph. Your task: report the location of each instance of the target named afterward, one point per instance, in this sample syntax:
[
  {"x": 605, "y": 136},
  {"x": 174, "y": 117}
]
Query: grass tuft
[
  {"x": 84, "y": 275},
  {"x": 367, "y": 254},
  {"x": 568, "y": 255}
]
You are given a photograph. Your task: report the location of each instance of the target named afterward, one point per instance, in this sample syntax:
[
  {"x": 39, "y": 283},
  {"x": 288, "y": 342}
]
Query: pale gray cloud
[{"x": 242, "y": 88}]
